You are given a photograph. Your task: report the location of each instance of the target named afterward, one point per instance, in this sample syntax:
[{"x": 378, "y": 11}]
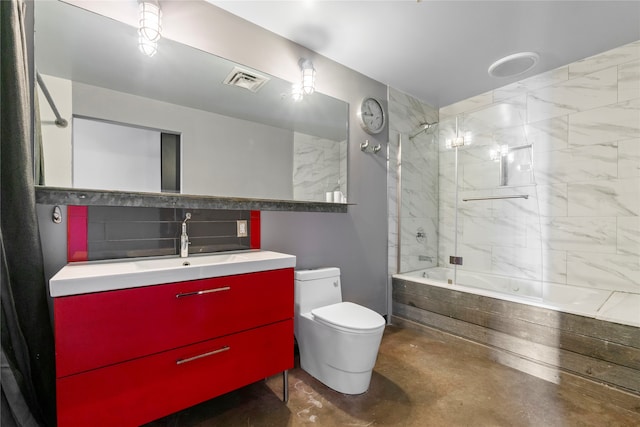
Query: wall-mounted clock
[{"x": 372, "y": 116}]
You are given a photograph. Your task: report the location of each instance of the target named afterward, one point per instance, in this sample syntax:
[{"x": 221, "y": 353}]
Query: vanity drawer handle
[
  {"x": 200, "y": 356},
  {"x": 206, "y": 291}
]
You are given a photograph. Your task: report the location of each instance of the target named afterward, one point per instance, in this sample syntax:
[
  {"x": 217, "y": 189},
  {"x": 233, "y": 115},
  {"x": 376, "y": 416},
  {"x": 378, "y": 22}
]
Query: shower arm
[{"x": 423, "y": 127}]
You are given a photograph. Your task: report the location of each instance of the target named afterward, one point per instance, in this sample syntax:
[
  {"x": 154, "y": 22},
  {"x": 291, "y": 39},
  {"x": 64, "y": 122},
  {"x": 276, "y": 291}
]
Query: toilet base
[
  {"x": 340, "y": 381},
  {"x": 340, "y": 360}
]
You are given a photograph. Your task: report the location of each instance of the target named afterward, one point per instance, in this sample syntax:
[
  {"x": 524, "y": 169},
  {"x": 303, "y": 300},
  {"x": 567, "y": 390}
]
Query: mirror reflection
[{"x": 231, "y": 141}]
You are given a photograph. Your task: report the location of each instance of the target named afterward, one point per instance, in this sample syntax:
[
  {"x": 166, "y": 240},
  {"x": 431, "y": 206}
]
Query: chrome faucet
[{"x": 184, "y": 238}]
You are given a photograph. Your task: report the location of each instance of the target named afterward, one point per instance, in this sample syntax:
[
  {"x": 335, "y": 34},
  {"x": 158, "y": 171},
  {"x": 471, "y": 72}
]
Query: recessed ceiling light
[{"x": 514, "y": 65}]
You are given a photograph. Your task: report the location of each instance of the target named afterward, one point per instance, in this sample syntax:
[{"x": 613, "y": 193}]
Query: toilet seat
[{"x": 349, "y": 317}]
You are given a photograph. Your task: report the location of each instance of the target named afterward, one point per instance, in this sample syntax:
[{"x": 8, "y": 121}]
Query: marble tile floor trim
[{"x": 423, "y": 377}]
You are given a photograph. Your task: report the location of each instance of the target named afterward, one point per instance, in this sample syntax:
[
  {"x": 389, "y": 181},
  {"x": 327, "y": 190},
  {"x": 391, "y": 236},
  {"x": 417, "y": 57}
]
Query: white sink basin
[
  {"x": 99, "y": 276},
  {"x": 196, "y": 261}
]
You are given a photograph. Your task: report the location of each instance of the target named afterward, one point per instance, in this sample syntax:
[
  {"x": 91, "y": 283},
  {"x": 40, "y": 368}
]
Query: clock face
[{"x": 372, "y": 115}]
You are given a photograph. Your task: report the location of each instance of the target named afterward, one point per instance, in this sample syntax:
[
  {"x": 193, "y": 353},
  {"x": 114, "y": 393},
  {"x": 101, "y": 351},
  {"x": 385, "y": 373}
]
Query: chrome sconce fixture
[
  {"x": 459, "y": 140},
  {"x": 456, "y": 142},
  {"x": 149, "y": 27},
  {"x": 308, "y": 76}
]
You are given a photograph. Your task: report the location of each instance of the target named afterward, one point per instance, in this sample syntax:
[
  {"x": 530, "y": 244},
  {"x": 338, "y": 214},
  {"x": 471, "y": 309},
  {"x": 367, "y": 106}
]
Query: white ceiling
[{"x": 439, "y": 51}]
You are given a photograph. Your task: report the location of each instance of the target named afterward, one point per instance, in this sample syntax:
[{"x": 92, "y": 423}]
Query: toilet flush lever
[{"x": 335, "y": 283}]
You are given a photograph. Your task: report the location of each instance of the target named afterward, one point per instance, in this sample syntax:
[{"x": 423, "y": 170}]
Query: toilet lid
[{"x": 349, "y": 315}]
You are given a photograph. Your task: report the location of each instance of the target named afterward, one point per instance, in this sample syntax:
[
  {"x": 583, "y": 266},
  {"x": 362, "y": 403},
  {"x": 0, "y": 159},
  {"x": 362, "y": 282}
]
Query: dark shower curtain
[{"x": 27, "y": 364}]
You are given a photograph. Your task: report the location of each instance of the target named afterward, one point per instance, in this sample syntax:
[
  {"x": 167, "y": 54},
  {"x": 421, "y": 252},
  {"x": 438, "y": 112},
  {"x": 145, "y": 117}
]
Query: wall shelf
[{"x": 75, "y": 196}]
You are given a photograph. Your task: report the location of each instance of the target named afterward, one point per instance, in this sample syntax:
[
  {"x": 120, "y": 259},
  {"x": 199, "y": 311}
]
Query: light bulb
[
  {"x": 150, "y": 28},
  {"x": 147, "y": 46},
  {"x": 296, "y": 92},
  {"x": 308, "y": 80}
]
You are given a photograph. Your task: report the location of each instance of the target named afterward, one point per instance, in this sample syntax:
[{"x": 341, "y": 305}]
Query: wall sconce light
[
  {"x": 308, "y": 76},
  {"x": 458, "y": 141},
  {"x": 150, "y": 27},
  {"x": 296, "y": 92}
]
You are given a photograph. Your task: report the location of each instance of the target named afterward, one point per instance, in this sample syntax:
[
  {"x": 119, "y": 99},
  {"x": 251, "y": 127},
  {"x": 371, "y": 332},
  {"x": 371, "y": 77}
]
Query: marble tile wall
[
  {"x": 419, "y": 175},
  {"x": 581, "y": 223},
  {"x": 319, "y": 165}
]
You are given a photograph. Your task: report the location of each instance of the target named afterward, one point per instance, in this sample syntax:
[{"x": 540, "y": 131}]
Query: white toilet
[{"x": 338, "y": 341}]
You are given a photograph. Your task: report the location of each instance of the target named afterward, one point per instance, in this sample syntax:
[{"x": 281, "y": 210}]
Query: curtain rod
[{"x": 60, "y": 122}]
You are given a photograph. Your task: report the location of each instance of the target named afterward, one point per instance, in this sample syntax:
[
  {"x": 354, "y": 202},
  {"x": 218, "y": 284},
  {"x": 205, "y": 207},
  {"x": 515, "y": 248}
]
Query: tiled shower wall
[
  {"x": 581, "y": 223},
  {"x": 419, "y": 173},
  {"x": 125, "y": 232}
]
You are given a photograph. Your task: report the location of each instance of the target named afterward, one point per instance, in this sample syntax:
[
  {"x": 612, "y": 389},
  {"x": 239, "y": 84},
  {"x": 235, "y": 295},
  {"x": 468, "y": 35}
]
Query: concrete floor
[{"x": 421, "y": 378}]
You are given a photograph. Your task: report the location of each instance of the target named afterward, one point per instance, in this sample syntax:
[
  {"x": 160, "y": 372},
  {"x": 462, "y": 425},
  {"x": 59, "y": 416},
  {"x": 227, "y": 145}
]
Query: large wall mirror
[{"x": 233, "y": 142}]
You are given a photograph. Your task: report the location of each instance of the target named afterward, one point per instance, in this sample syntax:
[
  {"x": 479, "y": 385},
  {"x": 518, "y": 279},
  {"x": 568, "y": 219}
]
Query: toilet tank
[{"x": 316, "y": 288}]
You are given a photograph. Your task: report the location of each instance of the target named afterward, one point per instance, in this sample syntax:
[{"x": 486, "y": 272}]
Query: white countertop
[{"x": 99, "y": 276}]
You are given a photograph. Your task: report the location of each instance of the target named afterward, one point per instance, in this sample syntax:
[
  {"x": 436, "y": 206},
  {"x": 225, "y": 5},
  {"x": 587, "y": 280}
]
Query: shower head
[{"x": 422, "y": 128}]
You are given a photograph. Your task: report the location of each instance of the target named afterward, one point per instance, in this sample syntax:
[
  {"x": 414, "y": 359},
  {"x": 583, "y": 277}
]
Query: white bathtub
[{"x": 619, "y": 307}]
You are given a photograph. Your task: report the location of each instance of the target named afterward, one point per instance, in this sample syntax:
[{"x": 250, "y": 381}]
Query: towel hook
[
  {"x": 56, "y": 215},
  {"x": 364, "y": 147}
]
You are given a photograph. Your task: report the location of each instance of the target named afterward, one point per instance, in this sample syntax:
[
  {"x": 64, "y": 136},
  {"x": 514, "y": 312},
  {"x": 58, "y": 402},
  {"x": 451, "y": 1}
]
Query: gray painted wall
[{"x": 356, "y": 241}]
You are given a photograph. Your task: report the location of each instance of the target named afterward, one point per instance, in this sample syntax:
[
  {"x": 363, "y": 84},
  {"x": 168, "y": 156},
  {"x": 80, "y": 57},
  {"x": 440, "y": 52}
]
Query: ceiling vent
[
  {"x": 514, "y": 65},
  {"x": 246, "y": 79}
]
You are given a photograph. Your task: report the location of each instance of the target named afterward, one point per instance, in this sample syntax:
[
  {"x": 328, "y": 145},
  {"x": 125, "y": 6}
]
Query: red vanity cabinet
[{"x": 127, "y": 357}]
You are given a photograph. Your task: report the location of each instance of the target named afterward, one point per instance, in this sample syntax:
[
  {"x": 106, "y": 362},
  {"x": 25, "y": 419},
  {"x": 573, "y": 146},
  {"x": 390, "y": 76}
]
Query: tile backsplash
[{"x": 124, "y": 232}]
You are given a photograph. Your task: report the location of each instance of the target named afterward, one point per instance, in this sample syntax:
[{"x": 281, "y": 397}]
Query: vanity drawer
[
  {"x": 141, "y": 390},
  {"x": 100, "y": 329}
]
